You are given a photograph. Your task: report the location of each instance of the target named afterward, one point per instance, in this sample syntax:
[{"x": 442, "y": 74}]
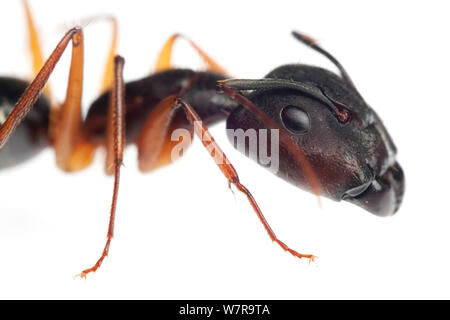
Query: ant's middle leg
[
  {"x": 34, "y": 45},
  {"x": 115, "y": 136},
  {"x": 164, "y": 61}
]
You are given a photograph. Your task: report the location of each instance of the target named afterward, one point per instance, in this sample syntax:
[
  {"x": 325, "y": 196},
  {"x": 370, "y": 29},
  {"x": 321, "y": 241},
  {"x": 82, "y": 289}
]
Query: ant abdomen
[{"x": 32, "y": 135}]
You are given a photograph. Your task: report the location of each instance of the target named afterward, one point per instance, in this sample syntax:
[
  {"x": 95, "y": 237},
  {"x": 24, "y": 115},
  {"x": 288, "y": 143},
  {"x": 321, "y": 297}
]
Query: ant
[{"x": 331, "y": 142}]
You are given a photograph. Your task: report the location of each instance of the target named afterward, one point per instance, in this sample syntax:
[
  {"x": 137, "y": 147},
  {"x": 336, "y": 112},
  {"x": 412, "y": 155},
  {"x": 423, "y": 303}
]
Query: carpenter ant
[{"x": 332, "y": 142}]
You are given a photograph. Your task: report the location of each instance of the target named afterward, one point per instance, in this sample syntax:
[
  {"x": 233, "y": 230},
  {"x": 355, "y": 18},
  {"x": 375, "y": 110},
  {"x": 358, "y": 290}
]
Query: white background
[{"x": 180, "y": 233}]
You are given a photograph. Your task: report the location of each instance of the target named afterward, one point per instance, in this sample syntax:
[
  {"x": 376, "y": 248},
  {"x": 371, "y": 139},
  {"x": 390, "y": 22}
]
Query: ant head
[{"x": 324, "y": 120}]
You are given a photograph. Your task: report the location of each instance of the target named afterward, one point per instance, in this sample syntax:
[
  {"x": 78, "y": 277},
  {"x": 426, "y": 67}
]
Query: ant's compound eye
[{"x": 295, "y": 119}]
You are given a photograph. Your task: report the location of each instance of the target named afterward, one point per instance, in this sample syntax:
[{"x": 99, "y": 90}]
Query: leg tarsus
[
  {"x": 310, "y": 257},
  {"x": 266, "y": 225},
  {"x": 99, "y": 262}
]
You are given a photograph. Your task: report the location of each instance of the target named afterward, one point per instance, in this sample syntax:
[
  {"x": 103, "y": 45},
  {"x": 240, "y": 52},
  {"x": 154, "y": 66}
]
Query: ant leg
[
  {"x": 31, "y": 94},
  {"x": 72, "y": 113},
  {"x": 108, "y": 74},
  {"x": 230, "y": 173},
  {"x": 38, "y": 62},
  {"x": 35, "y": 47},
  {"x": 114, "y": 147},
  {"x": 154, "y": 145},
  {"x": 164, "y": 59},
  {"x": 154, "y": 142},
  {"x": 115, "y": 128},
  {"x": 72, "y": 151}
]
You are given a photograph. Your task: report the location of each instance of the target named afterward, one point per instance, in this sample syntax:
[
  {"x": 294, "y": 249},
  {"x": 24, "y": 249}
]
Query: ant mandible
[{"x": 332, "y": 142}]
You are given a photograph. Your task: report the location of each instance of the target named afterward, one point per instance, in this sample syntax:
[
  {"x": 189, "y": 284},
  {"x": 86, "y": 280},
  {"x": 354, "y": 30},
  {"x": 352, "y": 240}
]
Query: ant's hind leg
[
  {"x": 165, "y": 56},
  {"x": 108, "y": 70},
  {"x": 114, "y": 148},
  {"x": 31, "y": 94},
  {"x": 108, "y": 73},
  {"x": 34, "y": 43},
  {"x": 38, "y": 61},
  {"x": 73, "y": 152}
]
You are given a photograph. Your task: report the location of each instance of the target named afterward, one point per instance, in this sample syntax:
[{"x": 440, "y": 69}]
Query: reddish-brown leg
[
  {"x": 154, "y": 142},
  {"x": 73, "y": 151},
  {"x": 114, "y": 148},
  {"x": 70, "y": 145},
  {"x": 230, "y": 173},
  {"x": 28, "y": 99},
  {"x": 34, "y": 44},
  {"x": 164, "y": 61},
  {"x": 108, "y": 73},
  {"x": 37, "y": 63},
  {"x": 108, "y": 76}
]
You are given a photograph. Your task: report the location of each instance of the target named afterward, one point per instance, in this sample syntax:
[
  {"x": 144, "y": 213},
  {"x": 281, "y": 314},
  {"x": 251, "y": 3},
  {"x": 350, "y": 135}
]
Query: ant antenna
[{"x": 312, "y": 43}]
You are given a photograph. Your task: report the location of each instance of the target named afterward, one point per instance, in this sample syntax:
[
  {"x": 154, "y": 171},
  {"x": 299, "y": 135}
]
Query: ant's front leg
[
  {"x": 153, "y": 144},
  {"x": 230, "y": 173}
]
